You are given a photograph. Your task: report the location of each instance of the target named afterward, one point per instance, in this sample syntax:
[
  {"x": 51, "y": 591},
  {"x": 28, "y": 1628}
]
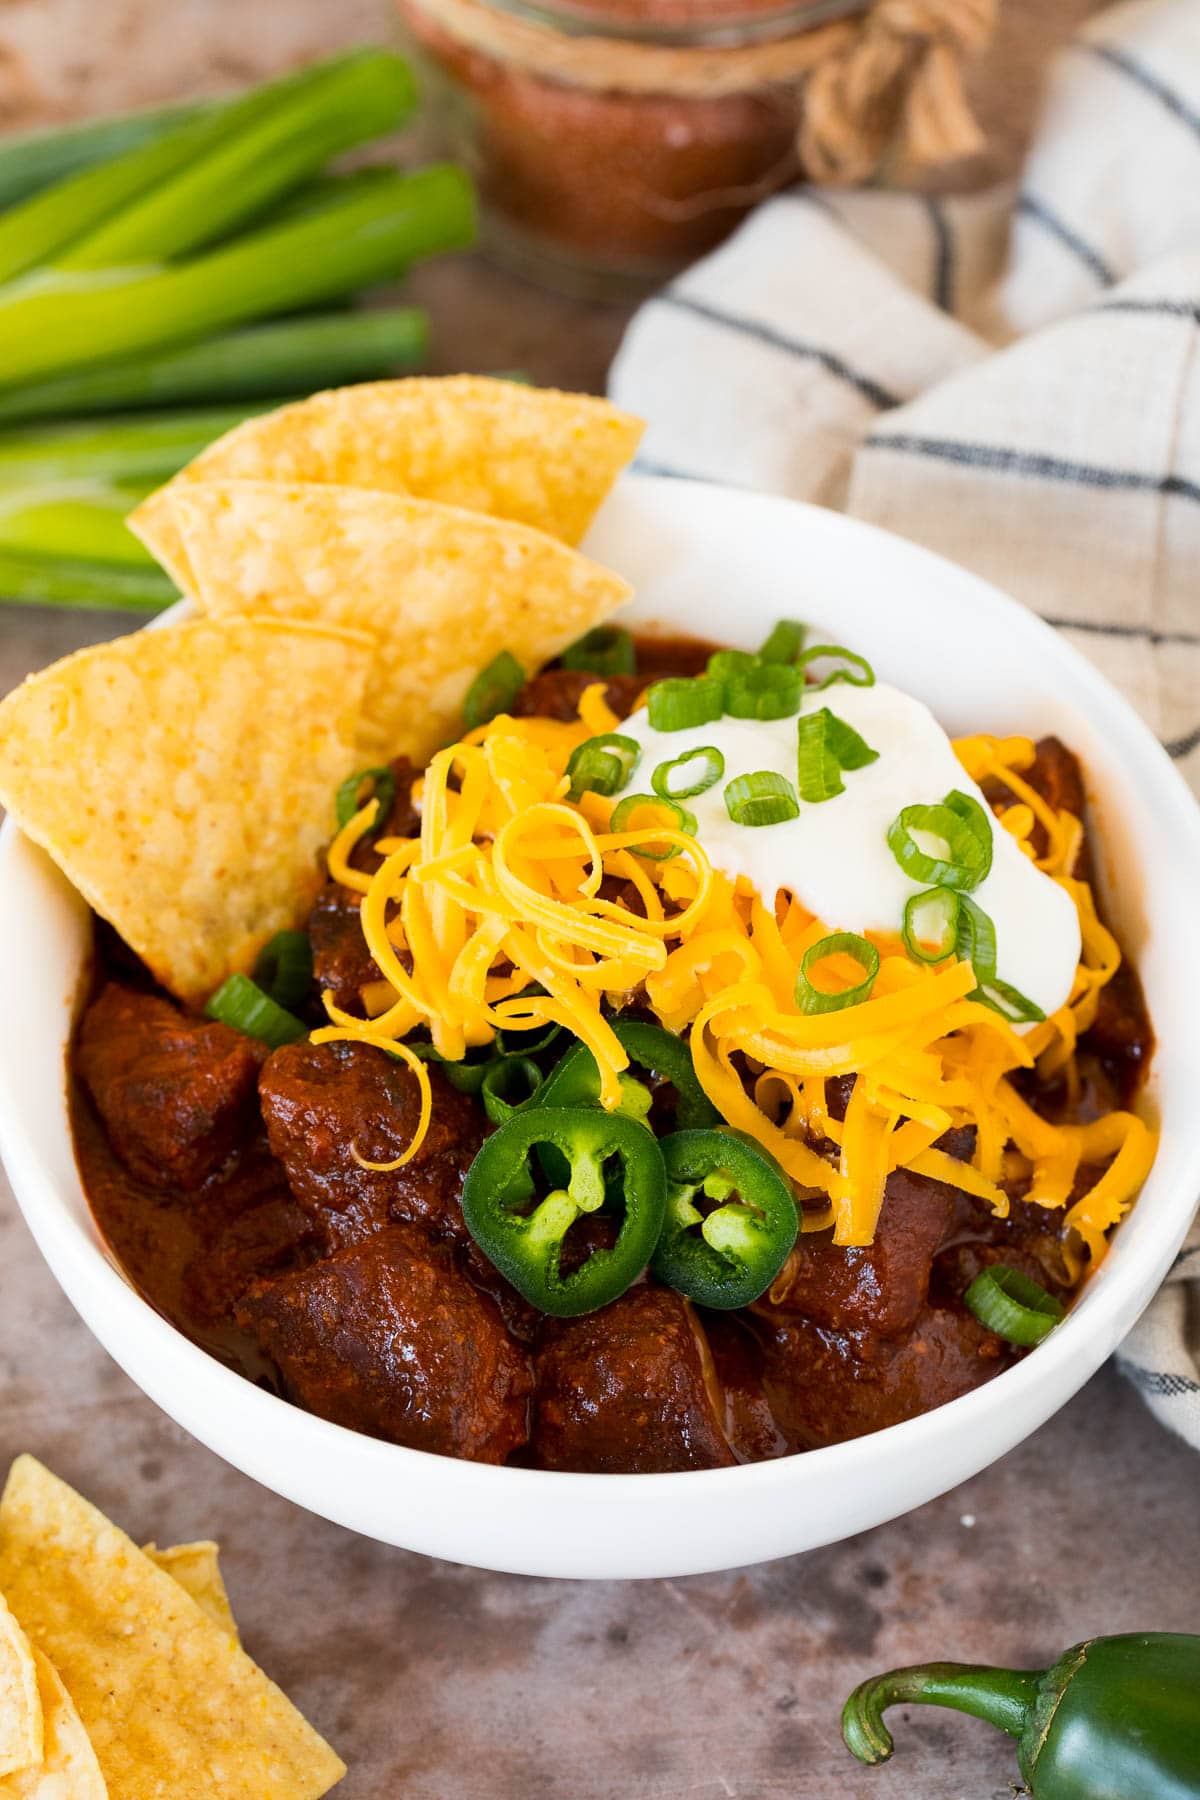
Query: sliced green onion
[
  {"x": 604, "y": 764},
  {"x": 240, "y": 1003},
  {"x": 812, "y": 999},
  {"x": 690, "y": 774},
  {"x": 977, "y": 818},
  {"x": 623, "y": 820},
  {"x": 605, "y": 650},
  {"x": 762, "y": 798},
  {"x": 856, "y": 669},
  {"x": 507, "y": 1084},
  {"x": 931, "y": 924},
  {"x": 1008, "y": 1001},
  {"x": 975, "y": 942},
  {"x": 975, "y": 938},
  {"x": 852, "y": 751},
  {"x": 819, "y": 774},
  {"x": 785, "y": 642},
  {"x": 1012, "y": 1305},
  {"x": 351, "y": 799},
  {"x": 956, "y": 858},
  {"x": 724, "y": 663},
  {"x": 493, "y": 690},
  {"x": 825, "y": 746},
  {"x": 284, "y": 969},
  {"x": 767, "y": 691},
  {"x": 682, "y": 701}
]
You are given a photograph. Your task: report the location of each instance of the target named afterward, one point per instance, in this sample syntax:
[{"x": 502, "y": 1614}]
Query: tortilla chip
[
  {"x": 198, "y": 1571},
  {"x": 441, "y": 590},
  {"x": 183, "y": 781},
  {"x": 543, "y": 458},
  {"x": 173, "y": 1706},
  {"x": 67, "y": 1768},
  {"x": 20, "y": 1709}
]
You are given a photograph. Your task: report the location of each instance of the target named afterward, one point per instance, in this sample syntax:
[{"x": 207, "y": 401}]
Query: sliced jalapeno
[
  {"x": 508, "y": 1084},
  {"x": 526, "y": 1245},
  {"x": 730, "y": 1221}
]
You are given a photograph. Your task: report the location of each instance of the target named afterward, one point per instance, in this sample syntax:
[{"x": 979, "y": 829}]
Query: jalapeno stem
[{"x": 1004, "y": 1697}]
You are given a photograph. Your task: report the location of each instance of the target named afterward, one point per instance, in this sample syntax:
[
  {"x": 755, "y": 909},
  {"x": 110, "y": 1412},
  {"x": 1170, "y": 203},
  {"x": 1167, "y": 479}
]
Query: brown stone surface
[{"x": 443, "y": 1683}]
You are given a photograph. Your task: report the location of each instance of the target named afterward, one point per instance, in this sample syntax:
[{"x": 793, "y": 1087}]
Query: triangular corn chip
[
  {"x": 441, "y": 590},
  {"x": 20, "y": 1708},
  {"x": 543, "y": 458},
  {"x": 67, "y": 1768},
  {"x": 171, "y": 1704},
  {"x": 197, "y": 1569},
  {"x": 183, "y": 780}
]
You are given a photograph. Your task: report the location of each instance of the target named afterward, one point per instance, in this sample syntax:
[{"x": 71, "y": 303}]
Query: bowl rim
[{"x": 118, "y": 1315}]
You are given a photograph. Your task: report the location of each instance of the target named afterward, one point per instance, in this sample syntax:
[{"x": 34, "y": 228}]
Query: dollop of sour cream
[{"x": 835, "y": 856}]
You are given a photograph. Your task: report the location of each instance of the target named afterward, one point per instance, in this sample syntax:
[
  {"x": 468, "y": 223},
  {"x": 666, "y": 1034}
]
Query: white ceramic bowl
[{"x": 722, "y": 564}]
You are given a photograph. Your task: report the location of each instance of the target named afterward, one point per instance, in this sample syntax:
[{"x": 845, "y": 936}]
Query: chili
[
  {"x": 728, "y": 1255},
  {"x": 527, "y": 1246},
  {"x": 1115, "y": 1718}
]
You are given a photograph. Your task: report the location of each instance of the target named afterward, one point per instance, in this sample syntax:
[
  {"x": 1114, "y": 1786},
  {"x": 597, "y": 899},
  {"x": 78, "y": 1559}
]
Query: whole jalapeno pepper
[
  {"x": 729, "y": 1254},
  {"x": 1115, "y": 1718},
  {"x": 526, "y": 1245}
]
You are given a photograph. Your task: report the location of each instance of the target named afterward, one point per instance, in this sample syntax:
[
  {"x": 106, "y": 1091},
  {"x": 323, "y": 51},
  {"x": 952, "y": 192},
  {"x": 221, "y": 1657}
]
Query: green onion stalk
[
  {"x": 73, "y": 210},
  {"x": 274, "y": 361},
  {"x": 33, "y": 160},
  {"x": 286, "y": 137},
  {"x": 75, "y": 582},
  {"x": 59, "y": 322},
  {"x": 84, "y": 522},
  {"x": 144, "y": 448}
]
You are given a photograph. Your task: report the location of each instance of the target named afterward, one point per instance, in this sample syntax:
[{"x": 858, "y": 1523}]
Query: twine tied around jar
[
  {"x": 899, "y": 79},
  {"x": 891, "y": 75}
]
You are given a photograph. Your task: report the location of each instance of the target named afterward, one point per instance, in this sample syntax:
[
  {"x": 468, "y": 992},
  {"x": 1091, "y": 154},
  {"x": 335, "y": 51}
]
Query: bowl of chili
[{"x": 733, "y": 564}]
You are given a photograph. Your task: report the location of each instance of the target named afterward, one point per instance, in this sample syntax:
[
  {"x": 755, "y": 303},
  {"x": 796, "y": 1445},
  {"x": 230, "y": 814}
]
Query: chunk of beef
[
  {"x": 826, "y": 1386},
  {"x": 269, "y": 1236},
  {"x": 752, "y": 1432},
  {"x": 325, "y": 1104},
  {"x": 1056, "y": 774},
  {"x": 341, "y": 960},
  {"x": 388, "y": 1337},
  {"x": 176, "y": 1094},
  {"x": 1120, "y": 1036},
  {"x": 1029, "y": 1239},
  {"x": 522, "y": 1318},
  {"x": 881, "y": 1287},
  {"x": 629, "y": 1388},
  {"x": 556, "y": 693}
]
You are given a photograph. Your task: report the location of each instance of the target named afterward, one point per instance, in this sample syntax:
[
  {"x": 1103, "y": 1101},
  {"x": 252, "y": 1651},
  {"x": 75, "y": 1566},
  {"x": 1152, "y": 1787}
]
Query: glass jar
[{"x": 613, "y": 141}]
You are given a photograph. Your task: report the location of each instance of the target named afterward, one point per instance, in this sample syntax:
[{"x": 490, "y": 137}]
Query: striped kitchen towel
[{"x": 1011, "y": 378}]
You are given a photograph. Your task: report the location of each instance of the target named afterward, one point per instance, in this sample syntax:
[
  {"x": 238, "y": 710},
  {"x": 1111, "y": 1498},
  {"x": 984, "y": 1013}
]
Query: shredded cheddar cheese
[{"x": 511, "y": 887}]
